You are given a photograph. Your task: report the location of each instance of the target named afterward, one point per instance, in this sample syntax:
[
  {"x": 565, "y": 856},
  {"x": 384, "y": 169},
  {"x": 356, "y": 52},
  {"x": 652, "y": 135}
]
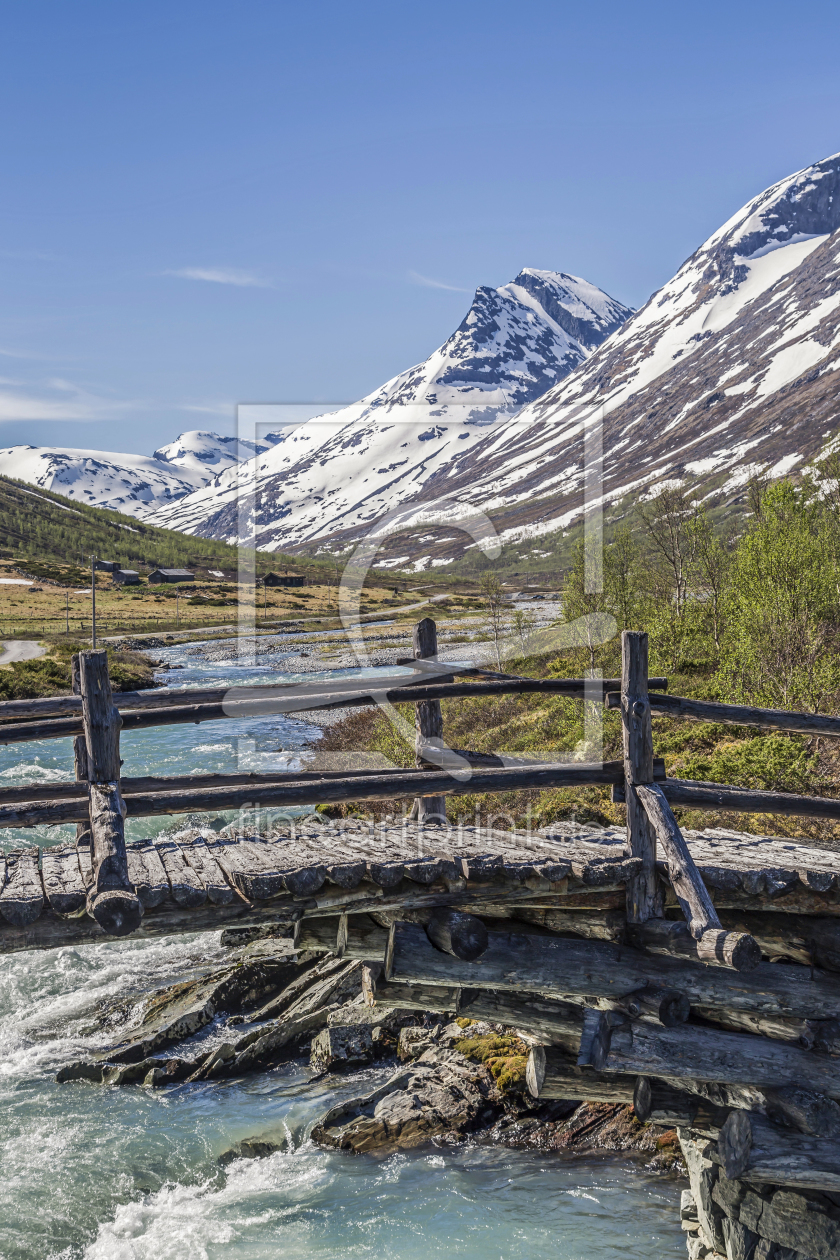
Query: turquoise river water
[{"x": 132, "y": 1174}]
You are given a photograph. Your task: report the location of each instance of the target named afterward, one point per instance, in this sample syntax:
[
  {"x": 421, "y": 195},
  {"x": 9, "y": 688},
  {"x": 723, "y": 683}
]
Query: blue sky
[{"x": 203, "y": 203}]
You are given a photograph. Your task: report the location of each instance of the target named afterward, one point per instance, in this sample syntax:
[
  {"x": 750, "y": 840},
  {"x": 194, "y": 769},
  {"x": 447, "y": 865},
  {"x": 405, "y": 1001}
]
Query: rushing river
[{"x": 132, "y": 1174}]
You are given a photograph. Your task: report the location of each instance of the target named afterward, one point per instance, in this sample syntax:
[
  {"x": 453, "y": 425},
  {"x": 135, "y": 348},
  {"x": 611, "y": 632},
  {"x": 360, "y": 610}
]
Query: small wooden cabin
[
  {"x": 125, "y": 577},
  {"x": 171, "y": 575},
  {"x": 285, "y": 579}
]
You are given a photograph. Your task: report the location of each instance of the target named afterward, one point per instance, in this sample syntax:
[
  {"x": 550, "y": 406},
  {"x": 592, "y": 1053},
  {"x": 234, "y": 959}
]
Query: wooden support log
[
  {"x": 644, "y": 900},
  {"x": 804, "y": 938},
  {"x": 558, "y": 1023},
  {"x": 551, "y": 1074},
  {"x": 739, "y": 715},
  {"x": 112, "y": 899},
  {"x": 706, "y": 1054},
  {"x": 428, "y": 723},
  {"x": 438, "y": 999},
  {"x": 462, "y": 935},
  {"x": 565, "y": 967},
  {"x": 658, "y": 1102},
  {"x": 347, "y": 935},
  {"x": 822, "y": 1035},
  {"x": 697, "y": 905},
  {"x": 597, "y": 925},
  {"x": 735, "y": 950},
  {"x": 804, "y": 1110},
  {"x": 667, "y": 1007},
  {"x": 752, "y": 1148}
]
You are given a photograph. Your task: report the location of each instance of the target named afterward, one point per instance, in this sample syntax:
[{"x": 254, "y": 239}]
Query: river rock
[
  {"x": 803, "y": 1221},
  {"x": 248, "y": 1148},
  {"x": 180, "y": 1011},
  {"x": 443, "y": 1094},
  {"x": 341, "y": 1046},
  {"x": 702, "y": 1173}
]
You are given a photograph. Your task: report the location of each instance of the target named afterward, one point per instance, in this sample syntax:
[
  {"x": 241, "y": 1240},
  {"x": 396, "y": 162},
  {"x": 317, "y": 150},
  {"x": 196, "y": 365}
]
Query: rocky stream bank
[{"x": 445, "y": 1082}]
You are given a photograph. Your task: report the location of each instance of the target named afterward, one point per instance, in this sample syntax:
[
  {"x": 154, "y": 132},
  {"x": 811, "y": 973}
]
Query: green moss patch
[{"x": 505, "y": 1057}]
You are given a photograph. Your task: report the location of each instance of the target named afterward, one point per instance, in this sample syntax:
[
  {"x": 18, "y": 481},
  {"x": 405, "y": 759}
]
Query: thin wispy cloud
[
  {"x": 209, "y": 409},
  {"x": 221, "y": 275},
  {"x": 56, "y": 399},
  {"x": 428, "y": 283}
]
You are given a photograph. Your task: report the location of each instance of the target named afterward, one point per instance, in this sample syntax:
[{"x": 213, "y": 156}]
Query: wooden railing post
[
  {"x": 80, "y": 761},
  {"x": 112, "y": 899},
  {"x": 644, "y": 901},
  {"x": 428, "y": 722}
]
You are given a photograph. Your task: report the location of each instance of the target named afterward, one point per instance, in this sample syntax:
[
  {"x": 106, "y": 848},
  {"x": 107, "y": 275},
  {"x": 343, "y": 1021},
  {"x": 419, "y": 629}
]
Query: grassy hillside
[{"x": 44, "y": 528}]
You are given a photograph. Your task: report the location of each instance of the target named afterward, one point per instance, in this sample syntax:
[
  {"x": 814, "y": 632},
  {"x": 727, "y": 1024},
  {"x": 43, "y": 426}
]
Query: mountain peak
[{"x": 514, "y": 343}]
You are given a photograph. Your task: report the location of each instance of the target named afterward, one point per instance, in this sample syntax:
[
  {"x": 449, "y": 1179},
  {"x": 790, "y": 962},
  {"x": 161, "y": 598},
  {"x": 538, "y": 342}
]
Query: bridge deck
[{"x": 198, "y": 882}]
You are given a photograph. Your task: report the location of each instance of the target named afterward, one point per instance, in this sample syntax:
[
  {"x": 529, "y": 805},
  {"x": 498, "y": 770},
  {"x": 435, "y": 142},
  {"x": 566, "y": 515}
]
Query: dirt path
[{"x": 20, "y": 650}]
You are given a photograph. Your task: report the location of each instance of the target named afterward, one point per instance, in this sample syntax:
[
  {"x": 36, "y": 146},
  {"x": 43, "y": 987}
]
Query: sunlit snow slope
[
  {"x": 341, "y": 472},
  {"x": 730, "y": 368},
  {"x": 133, "y": 484}
]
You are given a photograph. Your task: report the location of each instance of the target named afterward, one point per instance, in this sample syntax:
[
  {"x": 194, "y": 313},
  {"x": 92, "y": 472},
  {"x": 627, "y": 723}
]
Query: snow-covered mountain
[
  {"x": 730, "y": 368},
  {"x": 134, "y": 484},
  {"x": 342, "y": 471}
]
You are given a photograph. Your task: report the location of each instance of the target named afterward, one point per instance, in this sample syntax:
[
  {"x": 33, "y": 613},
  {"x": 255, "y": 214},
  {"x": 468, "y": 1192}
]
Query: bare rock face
[{"x": 442, "y": 1094}]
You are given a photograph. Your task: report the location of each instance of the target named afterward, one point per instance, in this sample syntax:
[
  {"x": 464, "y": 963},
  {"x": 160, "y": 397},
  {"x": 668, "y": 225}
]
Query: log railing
[{"x": 95, "y": 720}]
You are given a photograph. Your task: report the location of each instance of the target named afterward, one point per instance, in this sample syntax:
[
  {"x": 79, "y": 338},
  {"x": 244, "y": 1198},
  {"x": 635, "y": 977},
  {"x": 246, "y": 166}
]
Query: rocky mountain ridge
[
  {"x": 342, "y": 471},
  {"x": 133, "y": 484}
]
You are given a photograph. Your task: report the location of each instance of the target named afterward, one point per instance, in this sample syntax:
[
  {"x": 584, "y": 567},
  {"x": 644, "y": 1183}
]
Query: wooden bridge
[{"x": 695, "y": 974}]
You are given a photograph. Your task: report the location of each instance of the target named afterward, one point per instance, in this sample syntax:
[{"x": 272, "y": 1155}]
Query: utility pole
[
  {"x": 67, "y": 613},
  {"x": 93, "y": 599},
  {"x": 177, "y": 608}
]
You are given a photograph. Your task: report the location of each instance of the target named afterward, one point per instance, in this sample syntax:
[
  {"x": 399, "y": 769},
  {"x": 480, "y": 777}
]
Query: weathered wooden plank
[
  {"x": 196, "y": 854},
  {"x": 22, "y": 896},
  {"x": 51, "y": 931},
  {"x": 708, "y": 1054},
  {"x": 564, "y": 967},
  {"x": 186, "y": 886},
  {"x": 71, "y": 790},
  {"x": 387, "y": 785},
  {"x": 62, "y": 879},
  {"x": 147, "y": 874},
  {"x": 762, "y": 1153}
]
